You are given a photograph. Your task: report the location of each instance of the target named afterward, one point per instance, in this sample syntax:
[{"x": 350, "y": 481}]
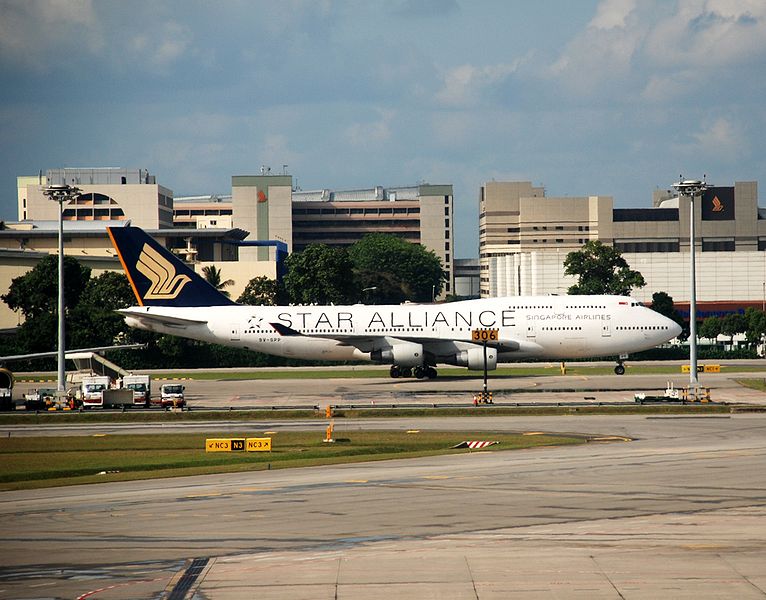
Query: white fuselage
[{"x": 552, "y": 327}]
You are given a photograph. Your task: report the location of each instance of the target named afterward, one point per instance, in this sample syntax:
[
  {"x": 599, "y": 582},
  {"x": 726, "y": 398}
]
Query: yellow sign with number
[
  {"x": 259, "y": 444},
  {"x": 485, "y": 335},
  {"x": 217, "y": 445}
]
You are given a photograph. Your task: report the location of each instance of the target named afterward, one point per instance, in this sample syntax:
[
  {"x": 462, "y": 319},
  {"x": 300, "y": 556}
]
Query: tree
[
  {"x": 214, "y": 277},
  {"x": 756, "y": 325},
  {"x": 320, "y": 274},
  {"x": 663, "y": 304},
  {"x": 710, "y": 328},
  {"x": 36, "y": 292},
  {"x": 93, "y": 321},
  {"x": 601, "y": 269},
  {"x": 262, "y": 291},
  {"x": 397, "y": 269},
  {"x": 732, "y": 324}
]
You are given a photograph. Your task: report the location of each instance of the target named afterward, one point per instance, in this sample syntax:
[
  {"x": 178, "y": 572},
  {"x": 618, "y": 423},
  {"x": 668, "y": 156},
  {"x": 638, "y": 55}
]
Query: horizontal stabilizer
[{"x": 148, "y": 317}]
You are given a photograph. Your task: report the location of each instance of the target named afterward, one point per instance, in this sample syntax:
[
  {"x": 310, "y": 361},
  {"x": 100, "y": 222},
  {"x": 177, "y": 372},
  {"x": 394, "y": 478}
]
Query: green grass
[
  {"x": 34, "y": 462},
  {"x": 161, "y": 416},
  {"x": 573, "y": 369},
  {"x": 755, "y": 384}
]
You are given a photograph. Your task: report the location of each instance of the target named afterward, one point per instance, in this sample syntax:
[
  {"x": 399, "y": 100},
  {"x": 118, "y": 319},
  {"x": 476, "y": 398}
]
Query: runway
[{"x": 678, "y": 512}]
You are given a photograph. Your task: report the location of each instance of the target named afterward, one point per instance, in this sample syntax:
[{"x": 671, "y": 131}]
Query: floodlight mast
[
  {"x": 60, "y": 193},
  {"x": 692, "y": 188}
]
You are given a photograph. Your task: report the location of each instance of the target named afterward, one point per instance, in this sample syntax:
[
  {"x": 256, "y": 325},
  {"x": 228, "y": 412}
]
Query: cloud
[
  {"x": 163, "y": 46},
  {"x": 722, "y": 139},
  {"x": 426, "y": 8},
  {"x": 468, "y": 84},
  {"x": 630, "y": 47},
  {"x": 715, "y": 34},
  {"x": 371, "y": 132},
  {"x": 34, "y": 31}
]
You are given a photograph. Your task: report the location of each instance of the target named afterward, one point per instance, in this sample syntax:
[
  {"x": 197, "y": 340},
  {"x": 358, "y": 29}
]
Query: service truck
[
  {"x": 92, "y": 388},
  {"x": 172, "y": 394},
  {"x": 142, "y": 388}
]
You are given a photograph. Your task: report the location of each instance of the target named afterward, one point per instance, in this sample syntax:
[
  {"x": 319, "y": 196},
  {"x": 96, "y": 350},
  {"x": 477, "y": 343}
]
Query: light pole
[
  {"x": 691, "y": 188},
  {"x": 59, "y": 193},
  {"x": 370, "y": 289}
]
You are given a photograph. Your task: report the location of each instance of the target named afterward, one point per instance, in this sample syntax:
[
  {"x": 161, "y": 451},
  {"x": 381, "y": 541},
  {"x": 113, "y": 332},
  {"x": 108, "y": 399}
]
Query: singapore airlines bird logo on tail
[{"x": 165, "y": 283}]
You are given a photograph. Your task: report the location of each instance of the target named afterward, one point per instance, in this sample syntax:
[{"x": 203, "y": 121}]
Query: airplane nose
[{"x": 675, "y": 329}]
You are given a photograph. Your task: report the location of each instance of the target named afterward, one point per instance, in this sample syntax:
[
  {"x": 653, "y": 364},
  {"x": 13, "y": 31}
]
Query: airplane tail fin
[{"x": 158, "y": 277}]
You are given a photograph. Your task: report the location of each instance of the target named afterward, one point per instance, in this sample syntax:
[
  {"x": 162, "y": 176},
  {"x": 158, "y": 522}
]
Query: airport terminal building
[
  {"x": 525, "y": 236},
  {"x": 214, "y": 230}
]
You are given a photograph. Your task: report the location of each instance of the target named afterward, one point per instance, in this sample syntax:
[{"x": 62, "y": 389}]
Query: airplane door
[
  {"x": 234, "y": 329},
  {"x": 606, "y": 330}
]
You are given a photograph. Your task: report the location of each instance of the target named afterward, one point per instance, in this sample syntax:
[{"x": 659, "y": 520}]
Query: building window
[
  {"x": 717, "y": 245},
  {"x": 446, "y": 222}
]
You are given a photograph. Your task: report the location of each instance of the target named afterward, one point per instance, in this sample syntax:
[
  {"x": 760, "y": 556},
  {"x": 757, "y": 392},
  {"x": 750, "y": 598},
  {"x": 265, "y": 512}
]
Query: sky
[{"x": 612, "y": 97}]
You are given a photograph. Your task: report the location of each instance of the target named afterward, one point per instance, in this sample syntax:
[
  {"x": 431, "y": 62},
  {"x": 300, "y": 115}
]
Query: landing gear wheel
[
  {"x": 431, "y": 373},
  {"x": 619, "y": 369},
  {"x": 395, "y": 371},
  {"x": 419, "y": 372},
  {"x": 406, "y": 372}
]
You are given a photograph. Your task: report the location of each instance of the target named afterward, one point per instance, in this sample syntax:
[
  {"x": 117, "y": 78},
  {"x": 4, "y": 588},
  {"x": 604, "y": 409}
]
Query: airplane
[{"x": 412, "y": 338}]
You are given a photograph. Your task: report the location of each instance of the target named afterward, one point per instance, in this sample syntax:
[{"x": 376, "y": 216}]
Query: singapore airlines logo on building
[
  {"x": 165, "y": 283},
  {"x": 717, "y": 204}
]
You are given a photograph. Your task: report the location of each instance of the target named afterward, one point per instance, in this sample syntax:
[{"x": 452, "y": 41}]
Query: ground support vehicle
[
  {"x": 141, "y": 386},
  {"x": 92, "y": 390},
  {"x": 119, "y": 398},
  {"x": 172, "y": 395}
]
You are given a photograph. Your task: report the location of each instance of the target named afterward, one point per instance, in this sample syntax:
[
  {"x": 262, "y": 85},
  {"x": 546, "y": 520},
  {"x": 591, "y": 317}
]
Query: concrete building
[
  {"x": 269, "y": 207},
  {"x": 110, "y": 197},
  {"x": 524, "y": 238},
  {"x": 107, "y": 194}
]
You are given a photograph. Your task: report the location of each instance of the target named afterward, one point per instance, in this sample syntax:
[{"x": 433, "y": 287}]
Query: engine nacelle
[
  {"x": 404, "y": 354},
  {"x": 6, "y": 379},
  {"x": 473, "y": 358}
]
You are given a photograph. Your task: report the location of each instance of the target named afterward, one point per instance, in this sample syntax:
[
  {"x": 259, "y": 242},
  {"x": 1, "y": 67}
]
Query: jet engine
[
  {"x": 404, "y": 354},
  {"x": 473, "y": 358}
]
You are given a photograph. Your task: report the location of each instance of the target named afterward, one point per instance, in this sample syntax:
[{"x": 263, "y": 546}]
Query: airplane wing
[
  {"x": 15, "y": 357},
  {"x": 368, "y": 343}
]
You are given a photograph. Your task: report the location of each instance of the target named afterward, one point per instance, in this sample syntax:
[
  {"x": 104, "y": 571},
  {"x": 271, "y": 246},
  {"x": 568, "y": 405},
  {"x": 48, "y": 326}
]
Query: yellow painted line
[
  {"x": 269, "y": 432},
  {"x": 413, "y": 431},
  {"x": 99, "y": 435},
  {"x": 204, "y": 495},
  {"x": 256, "y": 489},
  {"x": 357, "y": 481},
  {"x": 533, "y": 433},
  {"x": 612, "y": 438},
  {"x": 436, "y": 477}
]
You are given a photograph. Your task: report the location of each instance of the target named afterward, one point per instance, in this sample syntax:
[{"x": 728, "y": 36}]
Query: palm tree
[{"x": 213, "y": 277}]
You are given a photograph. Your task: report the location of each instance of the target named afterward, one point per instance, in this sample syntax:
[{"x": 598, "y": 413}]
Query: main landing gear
[
  {"x": 420, "y": 372},
  {"x": 619, "y": 369}
]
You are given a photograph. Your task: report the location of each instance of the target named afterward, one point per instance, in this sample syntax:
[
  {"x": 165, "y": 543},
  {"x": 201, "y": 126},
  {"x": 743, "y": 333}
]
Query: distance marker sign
[{"x": 485, "y": 335}]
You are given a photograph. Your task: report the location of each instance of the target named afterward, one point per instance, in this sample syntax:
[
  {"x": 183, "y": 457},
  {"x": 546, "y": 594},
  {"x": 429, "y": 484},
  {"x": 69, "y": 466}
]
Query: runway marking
[
  {"x": 256, "y": 489},
  {"x": 533, "y": 433},
  {"x": 436, "y": 477},
  {"x": 211, "y": 495},
  {"x": 357, "y": 481}
]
